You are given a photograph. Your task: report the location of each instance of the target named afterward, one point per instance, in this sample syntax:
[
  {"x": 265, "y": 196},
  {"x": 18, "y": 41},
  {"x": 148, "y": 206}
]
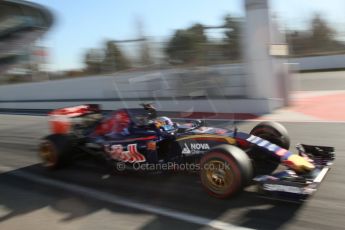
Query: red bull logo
[{"x": 132, "y": 155}]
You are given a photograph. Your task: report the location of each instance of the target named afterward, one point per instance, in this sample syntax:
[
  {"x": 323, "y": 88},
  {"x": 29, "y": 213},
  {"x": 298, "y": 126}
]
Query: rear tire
[
  {"x": 56, "y": 151},
  {"x": 225, "y": 170}
]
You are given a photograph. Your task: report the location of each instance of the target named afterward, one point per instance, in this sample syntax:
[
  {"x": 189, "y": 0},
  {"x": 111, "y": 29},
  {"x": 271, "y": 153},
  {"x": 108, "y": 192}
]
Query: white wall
[
  {"x": 219, "y": 81},
  {"x": 161, "y": 87},
  {"x": 320, "y": 62},
  {"x": 252, "y": 106},
  {"x": 187, "y": 90}
]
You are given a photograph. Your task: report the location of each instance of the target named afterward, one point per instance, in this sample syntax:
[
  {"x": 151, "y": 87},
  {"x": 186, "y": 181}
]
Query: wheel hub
[
  {"x": 47, "y": 154},
  {"x": 218, "y": 176}
]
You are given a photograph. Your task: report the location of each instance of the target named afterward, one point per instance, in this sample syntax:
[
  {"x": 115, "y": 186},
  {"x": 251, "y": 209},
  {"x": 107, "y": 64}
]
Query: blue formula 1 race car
[{"x": 227, "y": 160}]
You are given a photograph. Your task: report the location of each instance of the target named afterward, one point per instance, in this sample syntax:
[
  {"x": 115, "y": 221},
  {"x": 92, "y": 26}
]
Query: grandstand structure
[{"x": 21, "y": 24}]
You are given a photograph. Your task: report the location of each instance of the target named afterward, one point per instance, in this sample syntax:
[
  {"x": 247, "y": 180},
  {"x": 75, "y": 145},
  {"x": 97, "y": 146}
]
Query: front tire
[
  {"x": 224, "y": 171},
  {"x": 275, "y": 133}
]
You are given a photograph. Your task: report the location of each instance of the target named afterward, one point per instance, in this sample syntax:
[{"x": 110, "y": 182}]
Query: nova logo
[
  {"x": 199, "y": 146},
  {"x": 195, "y": 148},
  {"x": 186, "y": 149}
]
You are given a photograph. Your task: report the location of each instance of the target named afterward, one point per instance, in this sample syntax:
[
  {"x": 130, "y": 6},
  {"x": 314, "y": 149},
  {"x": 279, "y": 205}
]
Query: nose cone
[{"x": 299, "y": 164}]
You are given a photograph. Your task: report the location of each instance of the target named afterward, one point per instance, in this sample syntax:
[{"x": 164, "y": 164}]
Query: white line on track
[{"x": 118, "y": 200}]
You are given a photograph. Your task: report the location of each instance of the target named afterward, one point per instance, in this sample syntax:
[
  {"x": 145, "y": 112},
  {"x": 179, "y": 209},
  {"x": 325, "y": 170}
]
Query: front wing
[{"x": 287, "y": 185}]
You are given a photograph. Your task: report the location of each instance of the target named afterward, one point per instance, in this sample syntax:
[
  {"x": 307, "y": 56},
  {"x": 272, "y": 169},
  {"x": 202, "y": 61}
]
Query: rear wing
[{"x": 63, "y": 120}]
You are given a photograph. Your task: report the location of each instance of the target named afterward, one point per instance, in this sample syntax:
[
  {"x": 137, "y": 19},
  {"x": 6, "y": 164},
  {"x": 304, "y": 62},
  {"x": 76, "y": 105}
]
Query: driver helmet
[{"x": 165, "y": 123}]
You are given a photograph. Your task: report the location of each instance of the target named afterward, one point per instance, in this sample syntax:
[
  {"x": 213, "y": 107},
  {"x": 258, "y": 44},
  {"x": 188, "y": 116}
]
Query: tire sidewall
[{"x": 237, "y": 160}]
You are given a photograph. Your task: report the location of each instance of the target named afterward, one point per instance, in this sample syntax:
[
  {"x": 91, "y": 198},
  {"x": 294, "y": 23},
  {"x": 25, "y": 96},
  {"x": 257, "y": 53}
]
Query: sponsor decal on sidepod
[{"x": 195, "y": 148}]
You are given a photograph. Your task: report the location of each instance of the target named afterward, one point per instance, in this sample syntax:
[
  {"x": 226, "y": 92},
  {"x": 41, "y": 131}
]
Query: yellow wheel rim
[
  {"x": 218, "y": 176},
  {"x": 48, "y": 154}
]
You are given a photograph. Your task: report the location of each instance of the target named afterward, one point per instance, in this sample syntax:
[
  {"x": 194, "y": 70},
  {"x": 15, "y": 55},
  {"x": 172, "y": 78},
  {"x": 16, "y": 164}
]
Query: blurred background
[
  {"x": 197, "y": 56},
  {"x": 109, "y": 37}
]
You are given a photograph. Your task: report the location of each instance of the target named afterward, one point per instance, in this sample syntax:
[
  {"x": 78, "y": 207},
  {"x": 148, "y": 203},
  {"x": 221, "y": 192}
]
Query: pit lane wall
[{"x": 216, "y": 89}]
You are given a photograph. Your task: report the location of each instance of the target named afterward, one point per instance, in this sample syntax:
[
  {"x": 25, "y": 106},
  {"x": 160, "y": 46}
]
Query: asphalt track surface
[{"x": 87, "y": 195}]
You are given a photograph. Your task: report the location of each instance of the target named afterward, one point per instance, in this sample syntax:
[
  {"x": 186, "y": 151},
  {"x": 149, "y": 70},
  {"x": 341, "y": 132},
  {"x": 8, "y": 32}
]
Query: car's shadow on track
[{"x": 181, "y": 192}]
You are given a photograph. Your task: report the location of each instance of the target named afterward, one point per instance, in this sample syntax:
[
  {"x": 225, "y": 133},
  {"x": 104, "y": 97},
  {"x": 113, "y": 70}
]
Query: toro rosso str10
[{"x": 229, "y": 160}]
